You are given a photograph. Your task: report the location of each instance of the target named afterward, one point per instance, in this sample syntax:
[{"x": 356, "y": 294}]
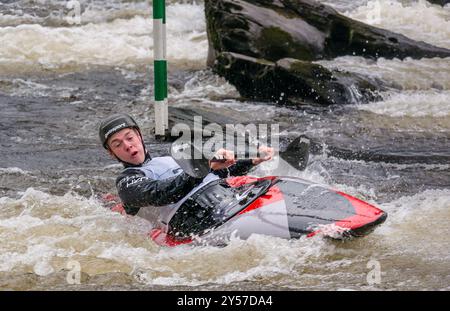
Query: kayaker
[{"x": 158, "y": 181}]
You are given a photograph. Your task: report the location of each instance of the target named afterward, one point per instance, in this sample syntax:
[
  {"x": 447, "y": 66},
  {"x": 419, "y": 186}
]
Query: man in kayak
[{"x": 159, "y": 181}]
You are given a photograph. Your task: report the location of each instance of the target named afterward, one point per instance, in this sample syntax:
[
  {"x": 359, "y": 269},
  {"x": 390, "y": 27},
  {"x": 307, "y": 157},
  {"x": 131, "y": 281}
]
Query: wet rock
[
  {"x": 264, "y": 48},
  {"x": 399, "y": 148},
  {"x": 301, "y": 29},
  {"x": 296, "y": 151},
  {"x": 439, "y": 2},
  {"x": 294, "y": 82}
]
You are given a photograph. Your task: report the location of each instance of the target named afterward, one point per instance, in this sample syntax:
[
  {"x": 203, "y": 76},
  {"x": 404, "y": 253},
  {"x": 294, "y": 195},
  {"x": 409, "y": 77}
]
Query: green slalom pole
[{"x": 160, "y": 67}]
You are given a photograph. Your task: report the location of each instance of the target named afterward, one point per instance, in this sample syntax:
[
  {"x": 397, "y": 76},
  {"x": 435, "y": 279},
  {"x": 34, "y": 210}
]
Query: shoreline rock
[
  {"x": 294, "y": 82},
  {"x": 439, "y": 2},
  {"x": 266, "y": 48},
  {"x": 302, "y": 29}
]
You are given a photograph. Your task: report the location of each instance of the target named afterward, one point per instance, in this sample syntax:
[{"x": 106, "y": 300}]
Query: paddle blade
[
  {"x": 297, "y": 153},
  {"x": 190, "y": 159}
]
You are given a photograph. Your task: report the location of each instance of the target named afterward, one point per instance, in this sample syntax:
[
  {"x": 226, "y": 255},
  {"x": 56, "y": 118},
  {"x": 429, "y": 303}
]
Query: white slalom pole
[
  {"x": 160, "y": 67},
  {"x": 166, "y": 105}
]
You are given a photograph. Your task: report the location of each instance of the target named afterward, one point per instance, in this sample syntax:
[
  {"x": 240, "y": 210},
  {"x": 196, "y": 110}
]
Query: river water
[{"x": 59, "y": 76}]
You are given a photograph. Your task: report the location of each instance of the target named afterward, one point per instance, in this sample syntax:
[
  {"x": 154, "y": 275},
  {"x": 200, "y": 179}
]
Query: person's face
[{"x": 127, "y": 145}]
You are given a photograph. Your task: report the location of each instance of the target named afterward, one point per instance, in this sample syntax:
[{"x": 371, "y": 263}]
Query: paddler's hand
[
  {"x": 267, "y": 153},
  {"x": 227, "y": 158}
]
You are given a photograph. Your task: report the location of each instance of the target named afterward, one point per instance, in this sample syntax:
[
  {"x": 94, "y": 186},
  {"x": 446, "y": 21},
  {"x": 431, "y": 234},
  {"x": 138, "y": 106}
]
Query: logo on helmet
[{"x": 114, "y": 129}]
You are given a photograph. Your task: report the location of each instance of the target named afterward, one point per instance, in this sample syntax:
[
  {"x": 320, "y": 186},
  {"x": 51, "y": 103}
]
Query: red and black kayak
[{"x": 283, "y": 207}]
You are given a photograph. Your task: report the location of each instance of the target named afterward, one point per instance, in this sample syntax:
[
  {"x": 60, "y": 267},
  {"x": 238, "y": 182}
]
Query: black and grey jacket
[{"x": 160, "y": 181}]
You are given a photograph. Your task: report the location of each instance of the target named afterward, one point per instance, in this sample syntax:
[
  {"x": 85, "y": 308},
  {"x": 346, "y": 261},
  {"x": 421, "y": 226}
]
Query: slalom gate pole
[{"x": 160, "y": 68}]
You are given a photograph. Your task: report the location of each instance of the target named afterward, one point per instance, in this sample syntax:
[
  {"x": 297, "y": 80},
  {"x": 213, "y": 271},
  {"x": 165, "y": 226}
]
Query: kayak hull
[{"x": 289, "y": 208}]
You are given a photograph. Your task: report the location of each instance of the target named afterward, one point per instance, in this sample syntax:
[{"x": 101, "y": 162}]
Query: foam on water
[
  {"x": 418, "y": 225},
  {"x": 13, "y": 170},
  {"x": 409, "y": 74},
  {"x": 418, "y": 20},
  {"x": 27, "y": 87},
  {"x": 14, "y": 19},
  {"x": 119, "y": 42},
  {"x": 59, "y": 12},
  {"x": 419, "y": 88},
  {"x": 204, "y": 84},
  {"x": 259, "y": 257},
  {"x": 414, "y": 104},
  {"x": 42, "y": 231},
  {"x": 43, "y": 245}
]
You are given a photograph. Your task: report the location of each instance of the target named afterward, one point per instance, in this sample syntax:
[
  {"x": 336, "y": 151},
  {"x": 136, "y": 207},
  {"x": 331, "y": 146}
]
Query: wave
[
  {"x": 117, "y": 43},
  {"x": 41, "y": 232},
  {"x": 45, "y": 232},
  {"x": 407, "y": 74},
  {"x": 412, "y": 104},
  {"x": 417, "y": 225},
  {"x": 418, "y": 20}
]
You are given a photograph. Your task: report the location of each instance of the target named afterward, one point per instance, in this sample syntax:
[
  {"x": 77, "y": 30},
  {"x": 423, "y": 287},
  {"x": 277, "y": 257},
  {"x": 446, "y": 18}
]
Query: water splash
[
  {"x": 413, "y": 104},
  {"x": 118, "y": 42},
  {"x": 418, "y": 20}
]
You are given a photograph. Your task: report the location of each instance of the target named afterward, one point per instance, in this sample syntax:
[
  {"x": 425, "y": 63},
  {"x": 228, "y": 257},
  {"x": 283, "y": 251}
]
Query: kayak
[{"x": 284, "y": 207}]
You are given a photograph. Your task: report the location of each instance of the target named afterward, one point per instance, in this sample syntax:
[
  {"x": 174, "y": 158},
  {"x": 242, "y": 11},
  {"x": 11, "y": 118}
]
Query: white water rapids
[{"x": 48, "y": 217}]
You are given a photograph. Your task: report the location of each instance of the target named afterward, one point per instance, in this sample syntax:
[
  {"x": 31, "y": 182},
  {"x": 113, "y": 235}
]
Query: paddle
[
  {"x": 190, "y": 159},
  {"x": 193, "y": 161}
]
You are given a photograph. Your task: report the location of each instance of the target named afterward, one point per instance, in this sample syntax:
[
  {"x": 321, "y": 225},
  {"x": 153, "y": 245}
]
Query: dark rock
[
  {"x": 297, "y": 151},
  {"x": 301, "y": 29},
  {"x": 392, "y": 147},
  {"x": 264, "y": 48},
  {"x": 440, "y": 2},
  {"x": 294, "y": 82}
]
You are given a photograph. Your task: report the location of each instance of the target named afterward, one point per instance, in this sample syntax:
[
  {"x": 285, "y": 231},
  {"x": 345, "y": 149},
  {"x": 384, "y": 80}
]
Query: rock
[
  {"x": 439, "y": 2},
  {"x": 296, "y": 152},
  {"x": 400, "y": 148},
  {"x": 294, "y": 82},
  {"x": 301, "y": 29},
  {"x": 265, "y": 49}
]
